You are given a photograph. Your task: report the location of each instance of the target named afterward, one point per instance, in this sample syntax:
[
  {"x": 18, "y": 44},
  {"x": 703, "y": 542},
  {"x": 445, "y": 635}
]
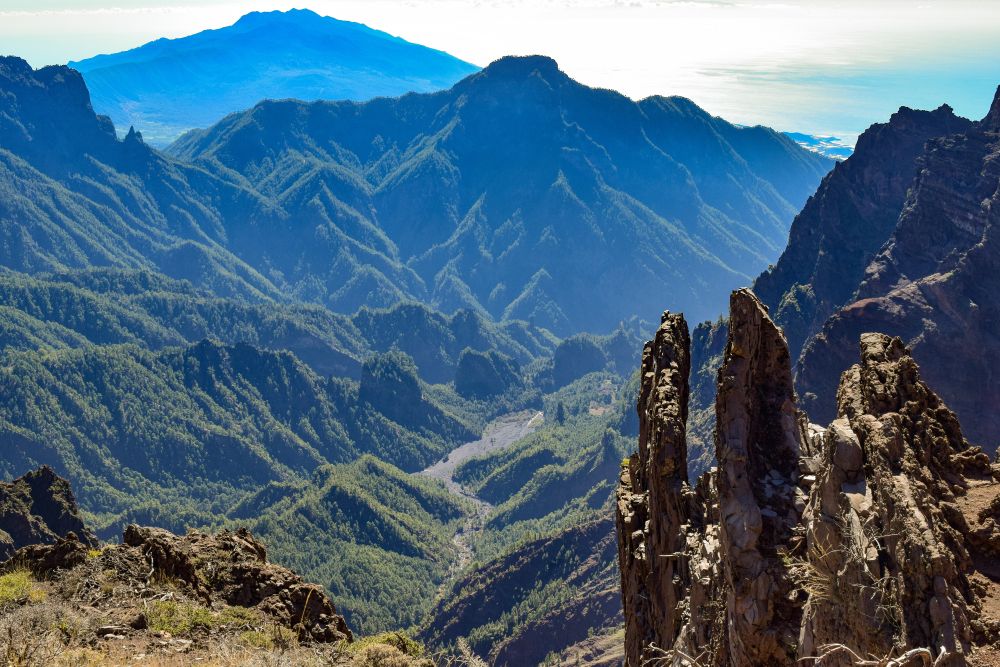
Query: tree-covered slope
[
  {"x": 169, "y": 86},
  {"x": 68, "y": 309},
  {"x": 154, "y": 436},
  {"x": 73, "y": 196},
  {"x": 518, "y": 194},
  {"x": 522, "y": 193},
  {"x": 545, "y": 576},
  {"x": 378, "y": 539}
]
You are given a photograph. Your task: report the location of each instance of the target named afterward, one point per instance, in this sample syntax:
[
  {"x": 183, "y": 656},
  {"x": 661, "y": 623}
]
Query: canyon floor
[{"x": 498, "y": 434}]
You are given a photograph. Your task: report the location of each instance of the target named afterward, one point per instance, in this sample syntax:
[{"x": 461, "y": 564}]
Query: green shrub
[
  {"x": 180, "y": 618},
  {"x": 398, "y": 640},
  {"x": 20, "y": 586}
]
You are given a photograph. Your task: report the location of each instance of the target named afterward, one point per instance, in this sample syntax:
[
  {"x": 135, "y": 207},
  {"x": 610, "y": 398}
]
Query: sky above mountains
[{"x": 818, "y": 66}]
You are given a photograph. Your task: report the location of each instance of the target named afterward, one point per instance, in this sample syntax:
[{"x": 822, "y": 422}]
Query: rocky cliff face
[
  {"x": 899, "y": 239},
  {"x": 934, "y": 283},
  {"x": 38, "y": 508},
  {"x": 172, "y": 599},
  {"x": 655, "y": 484},
  {"x": 889, "y": 562},
  {"x": 757, "y": 444},
  {"x": 845, "y": 223},
  {"x": 873, "y": 539}
]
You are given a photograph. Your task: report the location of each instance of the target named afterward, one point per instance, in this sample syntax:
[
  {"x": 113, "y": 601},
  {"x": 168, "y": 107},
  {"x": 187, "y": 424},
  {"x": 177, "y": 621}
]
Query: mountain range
[
  {"x": 897, "y": 239},
  {"x": 169, "y": 86},
  {"x": 285, "y": 321},
  {"x": 518, "y": 194}
]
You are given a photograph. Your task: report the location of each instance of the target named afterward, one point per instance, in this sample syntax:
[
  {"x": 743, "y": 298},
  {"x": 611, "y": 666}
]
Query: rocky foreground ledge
[
  {"x": 158, "y": 598},
  {"x": 874, "y": 541}
]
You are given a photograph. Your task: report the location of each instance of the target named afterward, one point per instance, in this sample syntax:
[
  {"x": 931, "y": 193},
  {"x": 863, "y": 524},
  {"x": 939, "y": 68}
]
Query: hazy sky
[{"x": 819, "y": 66}]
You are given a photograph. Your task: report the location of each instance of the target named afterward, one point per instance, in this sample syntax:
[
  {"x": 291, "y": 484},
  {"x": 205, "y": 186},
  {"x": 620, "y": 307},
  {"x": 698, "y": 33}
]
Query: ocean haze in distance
[{"x": 819, "y": 67}]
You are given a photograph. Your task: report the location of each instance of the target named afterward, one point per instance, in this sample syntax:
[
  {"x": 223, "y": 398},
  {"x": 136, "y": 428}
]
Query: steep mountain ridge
[
  {"x": 932, "y": 283},
  {"x": 505, "y": 195},
  {"x": 846, "y": 222},
  {"x": 151, "y": 438},
  {"x": 72, "y": 309},
  {"x": 74, "y": 196},
  {"x": 568, "y": 575},
  {"x": 169, "y": 86},
  {"x": 502, "y": 193},
  {"x": 896, "y": 239}
]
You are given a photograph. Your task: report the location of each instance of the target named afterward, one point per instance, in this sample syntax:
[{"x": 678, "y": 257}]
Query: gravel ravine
[{"x": 500, "y": 433}]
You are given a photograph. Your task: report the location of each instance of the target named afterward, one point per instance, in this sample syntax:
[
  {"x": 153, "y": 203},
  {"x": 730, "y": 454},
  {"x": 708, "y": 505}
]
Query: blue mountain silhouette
[{"x": 168, "y": 86}]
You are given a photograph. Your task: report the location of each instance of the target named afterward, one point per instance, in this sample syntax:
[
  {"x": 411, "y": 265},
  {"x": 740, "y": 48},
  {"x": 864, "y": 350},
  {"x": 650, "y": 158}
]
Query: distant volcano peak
[{"x": 522, "y": 66}]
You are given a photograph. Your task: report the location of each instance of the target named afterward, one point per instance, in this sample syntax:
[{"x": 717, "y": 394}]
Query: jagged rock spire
[
  {"x": 887, "y": 553},
  {"x": 703, "y": 569},
  {"x": 757, "y": 443},
  {"x": 654, "y": 484},
  {"x": 992, "y": 121},
  {"x": 880, "y": 550}
]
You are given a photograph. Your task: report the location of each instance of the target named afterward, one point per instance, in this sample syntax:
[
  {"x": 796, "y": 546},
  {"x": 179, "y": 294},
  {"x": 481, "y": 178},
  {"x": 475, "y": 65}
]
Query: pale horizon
[{"x": 820, "y": 67}]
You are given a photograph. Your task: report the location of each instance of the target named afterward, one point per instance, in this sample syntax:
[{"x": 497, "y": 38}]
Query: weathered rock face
[
  {"x": 888, "y": 560},
  {"x": 233, "y": 567},
  {"x": 757, "y": 445},
  {"x": 873, "y": 539},
  {"x": 653, "y": 496},
  {"x": 935, "y": 285},
  {"x": 831, "y": 242},
  {"x": 702, "y": 569},
  {"x": 914, "y": 257},
  {"x": 844, "y": 224},
  {"x": 38, "y": 508}
]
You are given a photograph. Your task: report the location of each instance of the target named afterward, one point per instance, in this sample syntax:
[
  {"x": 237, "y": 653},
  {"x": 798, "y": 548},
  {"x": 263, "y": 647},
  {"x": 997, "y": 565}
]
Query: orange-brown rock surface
[
  {"x": 233, "y": 568},
  {"x": 931, "y": 277}
]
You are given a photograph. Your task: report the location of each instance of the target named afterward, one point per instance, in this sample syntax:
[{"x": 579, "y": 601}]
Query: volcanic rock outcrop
[
  {"x": 233, "y": 567},
  {"x": 900, "y": 238},
  {"x": 228, "y": 569},
  {"x": 873, "y": 541},
  {"x": 655, "y": 484},
  {"x": 38, "y": 508},
  {"x": 934, "y": 283},
  {"x": 844, "y": 224},
  {"x": 888, "y": 568}
]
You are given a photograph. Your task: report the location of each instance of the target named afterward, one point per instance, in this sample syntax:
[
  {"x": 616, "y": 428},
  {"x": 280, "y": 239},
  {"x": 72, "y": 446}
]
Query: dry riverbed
[{"x": 500, "y": 433}]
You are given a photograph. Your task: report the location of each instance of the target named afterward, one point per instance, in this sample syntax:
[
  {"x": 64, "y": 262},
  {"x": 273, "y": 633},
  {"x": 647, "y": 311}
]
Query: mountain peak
[
  {"x": 992, "y": 120},
  {"x": 12, "y": 67},
  {"x": 522, "y": 66},
  {"x": 170, "y": 86},
  {"x": 292, "y": 16},
  {"x": 305, "y": 14}
]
